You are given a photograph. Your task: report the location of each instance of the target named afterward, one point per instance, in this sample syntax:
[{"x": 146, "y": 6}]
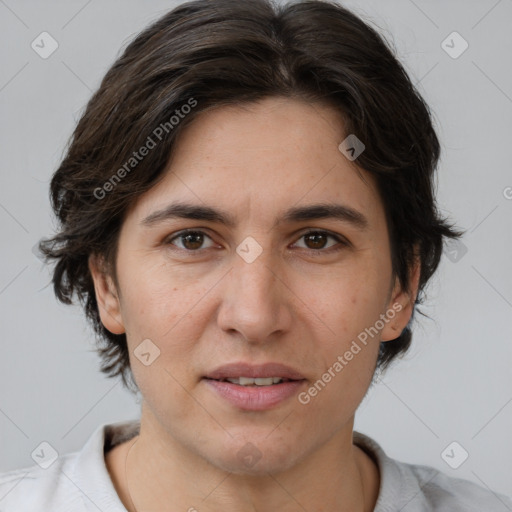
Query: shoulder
[
  {"x": 74, "y": 482},
  {"x": 415, "y": 488},
  {"x": 441, "y": 492},
  {"x": 34, "y": 488}
]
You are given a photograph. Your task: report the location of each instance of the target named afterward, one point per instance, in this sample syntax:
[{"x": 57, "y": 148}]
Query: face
[{"x": 259, "y": 283}]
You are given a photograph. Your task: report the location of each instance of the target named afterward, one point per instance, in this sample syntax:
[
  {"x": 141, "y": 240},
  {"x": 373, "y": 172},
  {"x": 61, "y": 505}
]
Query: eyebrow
[{"x": 295, "y": 214}]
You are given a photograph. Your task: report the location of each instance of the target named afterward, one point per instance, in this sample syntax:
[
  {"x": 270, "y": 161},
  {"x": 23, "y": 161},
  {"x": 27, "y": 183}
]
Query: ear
[
  {"x": 107, "y": 296},
  {"x": 401, "y": 304}
]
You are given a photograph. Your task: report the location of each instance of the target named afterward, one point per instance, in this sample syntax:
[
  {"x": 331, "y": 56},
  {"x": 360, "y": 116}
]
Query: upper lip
[{"x": 234, "y": 370}]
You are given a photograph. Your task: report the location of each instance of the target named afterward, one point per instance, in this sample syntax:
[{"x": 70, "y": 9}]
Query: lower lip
[{"x": 255, "y": 398}]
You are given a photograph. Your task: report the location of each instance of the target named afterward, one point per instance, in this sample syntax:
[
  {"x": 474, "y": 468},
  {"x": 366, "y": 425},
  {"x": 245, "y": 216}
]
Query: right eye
[{"x": 191, "y": 240}]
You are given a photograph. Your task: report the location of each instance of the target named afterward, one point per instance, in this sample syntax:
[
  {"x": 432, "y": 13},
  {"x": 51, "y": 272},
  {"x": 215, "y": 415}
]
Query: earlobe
[
  {"x": 107, "y": 297},
  {"x": 401, "y": 305}
]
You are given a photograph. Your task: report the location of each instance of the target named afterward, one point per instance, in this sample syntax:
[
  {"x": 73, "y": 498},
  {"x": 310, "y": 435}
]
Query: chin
[{"x": 257, "y": 456}]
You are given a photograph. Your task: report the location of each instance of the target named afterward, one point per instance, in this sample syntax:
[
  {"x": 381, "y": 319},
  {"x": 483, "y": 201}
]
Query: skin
[{"x": 298, "y": 303}]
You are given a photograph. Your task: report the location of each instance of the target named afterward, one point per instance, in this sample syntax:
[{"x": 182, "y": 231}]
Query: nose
[{"x": 255, "y": 300}]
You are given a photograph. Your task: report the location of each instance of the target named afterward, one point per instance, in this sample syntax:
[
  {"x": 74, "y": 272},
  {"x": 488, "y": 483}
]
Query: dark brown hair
[{"x": 206, "y": 54}]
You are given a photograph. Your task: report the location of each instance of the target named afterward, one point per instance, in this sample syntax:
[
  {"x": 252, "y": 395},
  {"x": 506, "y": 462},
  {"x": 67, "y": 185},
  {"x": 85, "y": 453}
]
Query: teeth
[
  {"x": 264, "y": 382},
  {"x": 260, "y": 381}
]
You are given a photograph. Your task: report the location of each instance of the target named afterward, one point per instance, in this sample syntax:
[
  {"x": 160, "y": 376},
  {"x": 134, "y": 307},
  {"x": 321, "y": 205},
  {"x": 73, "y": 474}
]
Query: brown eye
[
  {"x": 317, "y": 241},
  {"x": 190, "y": 240}
]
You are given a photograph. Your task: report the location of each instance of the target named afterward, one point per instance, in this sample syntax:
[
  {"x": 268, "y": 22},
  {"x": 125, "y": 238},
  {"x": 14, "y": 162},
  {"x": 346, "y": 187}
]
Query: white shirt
[{"x": 80, "y": 482}]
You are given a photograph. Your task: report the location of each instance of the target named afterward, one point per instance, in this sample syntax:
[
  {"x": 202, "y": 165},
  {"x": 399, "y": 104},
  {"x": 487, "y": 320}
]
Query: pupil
[
  {"x": 194, "y": 238},
  {"x": 315, "y": 237}
]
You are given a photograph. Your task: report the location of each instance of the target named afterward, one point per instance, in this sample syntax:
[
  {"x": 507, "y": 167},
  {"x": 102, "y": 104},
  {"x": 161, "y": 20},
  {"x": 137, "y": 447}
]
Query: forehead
[{"x": 259, "y": 158}]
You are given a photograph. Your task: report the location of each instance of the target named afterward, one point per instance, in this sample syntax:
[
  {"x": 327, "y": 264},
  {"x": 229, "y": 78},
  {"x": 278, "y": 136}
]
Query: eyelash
[{"x": 316, "y": 252}]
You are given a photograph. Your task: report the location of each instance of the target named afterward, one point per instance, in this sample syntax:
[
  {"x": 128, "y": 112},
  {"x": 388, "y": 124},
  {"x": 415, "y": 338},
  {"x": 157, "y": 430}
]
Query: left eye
[
  {"x": 318, "y": 239},
  {"x": 193, "y": 240}
]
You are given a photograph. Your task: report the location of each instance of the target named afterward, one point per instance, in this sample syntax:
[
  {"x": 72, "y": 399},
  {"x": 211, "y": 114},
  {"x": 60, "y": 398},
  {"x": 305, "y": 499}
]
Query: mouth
[
  {"x": 255, "y": 388},
  {"x": 247, "y": 374},
  {"x": 257, "y": 381}
]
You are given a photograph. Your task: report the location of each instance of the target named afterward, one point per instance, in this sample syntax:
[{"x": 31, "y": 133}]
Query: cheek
[
  {"x": 349, "y": 356},
  {"x": 156, "y": 299},
  {"x": 350, "y": 305},
  {"x": 172, "y": 314},
  {"x": 352, "y": 301}
]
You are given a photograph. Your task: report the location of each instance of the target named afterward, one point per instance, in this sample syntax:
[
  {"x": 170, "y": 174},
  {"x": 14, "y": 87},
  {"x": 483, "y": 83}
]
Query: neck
[{"x": 338, "y": 476}]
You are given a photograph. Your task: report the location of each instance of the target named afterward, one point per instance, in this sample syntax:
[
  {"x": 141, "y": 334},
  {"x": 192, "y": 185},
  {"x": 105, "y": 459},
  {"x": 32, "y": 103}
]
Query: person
[{"x": 247, "y": 215}]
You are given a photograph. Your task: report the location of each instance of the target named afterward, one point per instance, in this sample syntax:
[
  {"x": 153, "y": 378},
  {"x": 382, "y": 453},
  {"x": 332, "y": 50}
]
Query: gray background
[{"x": 456, "y": 382}]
